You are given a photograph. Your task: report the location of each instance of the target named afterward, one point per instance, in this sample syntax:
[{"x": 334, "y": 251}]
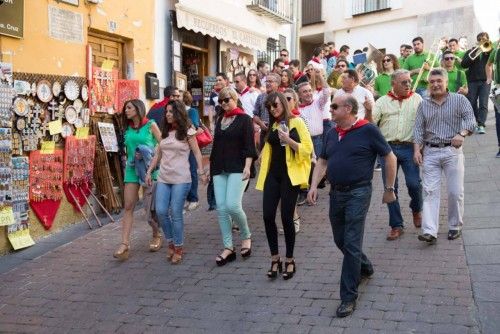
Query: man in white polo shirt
[
  {"x": 350, "y": 85},
  {"x": 247, "y": 96}
]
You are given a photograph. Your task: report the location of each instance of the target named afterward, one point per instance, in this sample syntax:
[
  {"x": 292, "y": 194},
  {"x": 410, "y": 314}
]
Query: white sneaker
[{"x": 192, "y": 206}]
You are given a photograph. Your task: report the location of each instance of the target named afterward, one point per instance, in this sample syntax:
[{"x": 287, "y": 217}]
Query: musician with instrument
[
  {"x": 419, "y": 65},
  {"x": 475, "y": 61},
  {"x": 459, "y": 54},
  {"x": 457, "y": 81}
]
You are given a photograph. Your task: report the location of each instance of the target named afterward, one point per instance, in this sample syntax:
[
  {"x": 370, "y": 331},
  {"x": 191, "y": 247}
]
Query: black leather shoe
[
  {"x": 367, "y": 273},
  {"x": 454, "y": 234},
  {"x": 430, "y": 239},
  {"x": 345, "y": 309}
]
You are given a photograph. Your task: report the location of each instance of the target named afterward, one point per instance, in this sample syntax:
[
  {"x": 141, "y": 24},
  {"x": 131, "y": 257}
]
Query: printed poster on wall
[
  {"x": 108, "y": 136},
  {"x": 103, "y": 90}
]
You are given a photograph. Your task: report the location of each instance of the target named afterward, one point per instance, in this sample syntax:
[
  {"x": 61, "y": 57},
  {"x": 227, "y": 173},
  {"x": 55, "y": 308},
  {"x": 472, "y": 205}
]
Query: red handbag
[{"x": 204, "y": 138}]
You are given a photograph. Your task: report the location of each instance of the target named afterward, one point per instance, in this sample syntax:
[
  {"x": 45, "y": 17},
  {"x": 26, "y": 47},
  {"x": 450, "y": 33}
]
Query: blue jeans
[
  {"x": 422, "y": 92},
  {"x": 193, "y": 191},
  {"x": 317, "y": 144},
  {"x": 169, "y": 204},
  {"x": 229, "y": 188},
  {"x": 479, "y": 90},
  {"x": 347, "y": 216},
  {"x": 404, "y": 155}
]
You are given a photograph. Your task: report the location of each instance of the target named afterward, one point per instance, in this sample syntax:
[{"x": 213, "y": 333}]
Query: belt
[
  {"x": 440, "y": 145},
  {"x": 346, "y": 188},
  {"x": 397, "y": 142}
]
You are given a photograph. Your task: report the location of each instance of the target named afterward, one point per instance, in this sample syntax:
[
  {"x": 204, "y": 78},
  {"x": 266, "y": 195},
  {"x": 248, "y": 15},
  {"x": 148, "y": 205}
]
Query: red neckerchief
[
  {"x": 316, "y": 60},
  {"x": 161, "y": 104},
  {"x": 303, "y": 105},
  {"x": 234, "y": 112},
  {"x": 217, "y": 90},
  {"x": 359, "y": 123},
  {"x": 173, "y": 126},
  {"x": 297, "y": 76},
  {"x": 399, "y": 98},
  {"x": 287, "y": 62},
  {"x": 296, "y": 112},
  {"x": 244, "y": 91},
  {"x": 143, "y": 122}
]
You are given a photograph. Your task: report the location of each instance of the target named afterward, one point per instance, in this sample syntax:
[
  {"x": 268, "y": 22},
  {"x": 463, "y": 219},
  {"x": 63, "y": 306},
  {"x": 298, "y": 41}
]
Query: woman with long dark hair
[
  {"x": 286, "y": 80},
  {"x": 174, "y": 179},
  {"x": 141, "y": 136},
  {"x": 285, "y": 167},
  {"x": 253, "y": 80},
  {"x": 233, "y": 150},
  {"x": 383, "y": 81}
]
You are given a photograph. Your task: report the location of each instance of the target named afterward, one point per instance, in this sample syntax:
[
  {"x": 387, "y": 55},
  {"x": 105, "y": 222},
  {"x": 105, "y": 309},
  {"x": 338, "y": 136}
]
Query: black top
[
  {"x": 351, "y": 160},
  {"x": 278, "y": 153},
  {"x": 232, "y": 146},
  {"x": 476, "y": 68}
]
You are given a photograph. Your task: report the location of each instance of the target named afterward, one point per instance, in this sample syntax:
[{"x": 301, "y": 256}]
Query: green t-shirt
[
  {"x": 401, "y": 62},
  {"x": 495, "y": 60},
  {"x": 134, "y": 138},
  {"x": 456, "y": 79},
  {"x": 460, "y": 54},
  {"x": 383, "y": 84},
  {"x": 415, "y": 61}
]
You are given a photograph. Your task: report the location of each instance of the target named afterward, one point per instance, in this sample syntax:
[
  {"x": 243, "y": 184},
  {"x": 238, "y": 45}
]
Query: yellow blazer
[{"x": 298, "y": 163}]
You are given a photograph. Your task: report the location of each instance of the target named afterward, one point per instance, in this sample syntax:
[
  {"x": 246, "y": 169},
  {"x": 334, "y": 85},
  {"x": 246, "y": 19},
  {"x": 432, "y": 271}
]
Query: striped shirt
[
  {"x": 260, "y": 108},
  {"x": 438, "y": 124},
  {"x": 312, "y": 114},
  {"x": 396, "y": 120}
]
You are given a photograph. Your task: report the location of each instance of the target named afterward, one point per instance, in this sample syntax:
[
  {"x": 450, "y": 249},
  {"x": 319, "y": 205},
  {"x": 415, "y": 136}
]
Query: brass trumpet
[{"x": 484, "y": 46}]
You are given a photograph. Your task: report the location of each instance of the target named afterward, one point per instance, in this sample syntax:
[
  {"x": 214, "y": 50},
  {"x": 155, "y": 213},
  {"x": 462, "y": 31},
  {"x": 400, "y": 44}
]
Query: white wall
[
  {"x": 388, "y": 35},
  {"x": 161, "y": 57}
]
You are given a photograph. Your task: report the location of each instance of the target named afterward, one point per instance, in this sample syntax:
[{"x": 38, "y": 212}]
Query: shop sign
[
  {"x": 65, "y": 25},
  {"x": 12, "y": 18}
]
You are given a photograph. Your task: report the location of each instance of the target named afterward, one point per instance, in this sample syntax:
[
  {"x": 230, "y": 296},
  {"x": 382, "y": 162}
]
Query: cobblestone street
[{"x": 416, "y": 288}]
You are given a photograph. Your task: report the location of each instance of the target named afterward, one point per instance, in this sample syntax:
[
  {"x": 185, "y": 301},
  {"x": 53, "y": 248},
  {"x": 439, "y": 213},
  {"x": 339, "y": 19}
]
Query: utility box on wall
[{"x": 152, "y": 86}]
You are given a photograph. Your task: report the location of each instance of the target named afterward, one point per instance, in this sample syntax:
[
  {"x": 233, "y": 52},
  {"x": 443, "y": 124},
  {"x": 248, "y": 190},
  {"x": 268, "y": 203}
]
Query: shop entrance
[
  {"x": 107, "y": 48},
  {"x": 195, "y": 67}
]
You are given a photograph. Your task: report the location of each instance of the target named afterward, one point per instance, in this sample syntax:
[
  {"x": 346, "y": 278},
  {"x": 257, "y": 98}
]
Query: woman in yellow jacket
[{"x": 285, "y": 167}]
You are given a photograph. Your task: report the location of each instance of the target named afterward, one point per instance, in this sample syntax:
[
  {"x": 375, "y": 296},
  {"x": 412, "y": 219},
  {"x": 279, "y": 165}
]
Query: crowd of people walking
[{"x": 295, "y": 129}]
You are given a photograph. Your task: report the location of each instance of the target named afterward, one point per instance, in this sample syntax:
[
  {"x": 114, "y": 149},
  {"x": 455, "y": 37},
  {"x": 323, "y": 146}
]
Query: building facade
[{"x": 386, "y": 24}]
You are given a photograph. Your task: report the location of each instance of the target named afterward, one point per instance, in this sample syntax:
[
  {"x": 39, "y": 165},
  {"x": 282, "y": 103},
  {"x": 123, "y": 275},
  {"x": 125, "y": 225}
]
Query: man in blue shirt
[{"x": 348, "y": 156}]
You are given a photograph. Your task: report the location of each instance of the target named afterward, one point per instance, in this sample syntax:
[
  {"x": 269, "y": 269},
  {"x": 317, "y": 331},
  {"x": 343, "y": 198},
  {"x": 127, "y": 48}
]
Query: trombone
[
  {"x": 430, "y": 55},
  {"x": 483, "y": 46}
]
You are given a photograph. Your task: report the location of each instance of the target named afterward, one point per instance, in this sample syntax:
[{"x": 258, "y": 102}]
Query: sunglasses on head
[
  {"x": 226, "y": 100},
  {"x": 388, "y": 60}
]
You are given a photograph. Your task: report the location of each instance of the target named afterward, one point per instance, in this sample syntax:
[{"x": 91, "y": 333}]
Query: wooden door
[{"x": 104, "y": 48}]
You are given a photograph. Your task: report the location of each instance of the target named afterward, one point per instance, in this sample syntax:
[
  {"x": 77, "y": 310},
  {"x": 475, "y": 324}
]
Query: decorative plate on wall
[
  {"x": 71, "y": 90},
  {"x": 44, "y": 91},
  {"x": 85, "y": 93},
  {"x": 66, "y": 130},
  {"x": 78, "y": 104},
  {"x": 71, "y": 114},
  {"x": 56, "y": 88},
  {"x": 21, "y": 107}
]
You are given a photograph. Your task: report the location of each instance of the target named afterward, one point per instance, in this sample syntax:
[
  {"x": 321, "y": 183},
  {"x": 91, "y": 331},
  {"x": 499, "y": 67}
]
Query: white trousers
[{"x": 437, "y": 160}]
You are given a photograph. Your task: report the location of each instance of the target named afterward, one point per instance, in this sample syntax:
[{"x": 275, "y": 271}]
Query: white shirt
[
  {"x": 326, "y": 110},
  {"x": 313, "y": 113},
  {"x": 361, "y": 95},
  {"x": 248, "y": 99}
]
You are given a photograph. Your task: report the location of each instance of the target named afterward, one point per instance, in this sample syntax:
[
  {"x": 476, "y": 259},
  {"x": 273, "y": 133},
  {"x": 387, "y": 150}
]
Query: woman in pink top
[{"x": 174, "y": 179}]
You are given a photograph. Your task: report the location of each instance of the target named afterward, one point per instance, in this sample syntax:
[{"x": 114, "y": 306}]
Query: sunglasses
[
  {"x": 339, "y": 66},
  {"x": 226, "y": 100},
  {"x": 176, "y": 95},
  {"x": 283, "y": 55},
  {"x": 449, "y": 58},
  {"x": 272, "y": 105},
  {"x": 252, "y": 74},
  {"x": 335, "y": 106},
  {"x": 406, "y": 82},
  {"x": 387, "y": 60},
  {"x": 289, "y": 98}
]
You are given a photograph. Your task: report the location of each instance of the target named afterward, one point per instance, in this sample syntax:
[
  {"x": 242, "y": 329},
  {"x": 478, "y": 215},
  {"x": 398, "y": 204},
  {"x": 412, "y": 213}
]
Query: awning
[{"x": 200, "y": 17}]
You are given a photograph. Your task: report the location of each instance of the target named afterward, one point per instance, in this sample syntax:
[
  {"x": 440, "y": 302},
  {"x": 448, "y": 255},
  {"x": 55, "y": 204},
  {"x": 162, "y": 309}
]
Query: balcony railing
[
  {"x": 278, "y": 10},
  {"x": 311, "y": 12},
  {"x": 360, "y": 7}
]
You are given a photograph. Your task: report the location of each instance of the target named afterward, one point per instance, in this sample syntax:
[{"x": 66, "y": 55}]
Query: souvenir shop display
[
  {"x": 44, "y": 91},
  {"x": 103, "y": 90},
  {"x": 7, "y": 93},
  {"x": 6, "y": 213},
  {"x": 18, "y": 233},
  {"x": 46, "y": 185},
  {"x": 108, "y": 136}
]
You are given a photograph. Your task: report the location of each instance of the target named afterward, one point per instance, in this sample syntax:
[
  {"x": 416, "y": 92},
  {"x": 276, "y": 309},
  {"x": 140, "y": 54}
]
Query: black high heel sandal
[
  {"x": 246, "y": 251},
  {"x": 279, "y": 267},
  {"x": 223, "y": 260},
  {"x": 289, "y": 274}
]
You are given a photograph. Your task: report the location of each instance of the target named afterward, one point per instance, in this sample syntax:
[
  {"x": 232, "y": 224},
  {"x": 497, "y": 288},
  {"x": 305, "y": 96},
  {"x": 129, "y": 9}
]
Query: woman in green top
[
  {"x": 140, "y": 131},
  {"x": 383, "y": 81}
]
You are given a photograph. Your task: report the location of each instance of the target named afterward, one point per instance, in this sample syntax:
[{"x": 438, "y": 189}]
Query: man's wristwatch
[
  {"x": 389, "y": 189},
  {"x": 462, "y": 134}
]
